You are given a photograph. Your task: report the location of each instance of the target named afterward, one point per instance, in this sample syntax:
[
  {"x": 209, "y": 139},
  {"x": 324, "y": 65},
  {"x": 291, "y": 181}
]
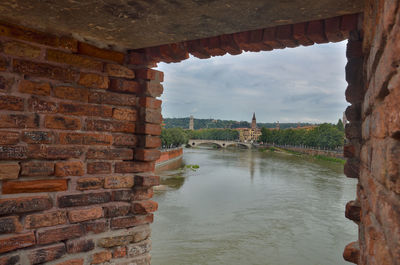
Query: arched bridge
[{"x": 220, "y": 143}]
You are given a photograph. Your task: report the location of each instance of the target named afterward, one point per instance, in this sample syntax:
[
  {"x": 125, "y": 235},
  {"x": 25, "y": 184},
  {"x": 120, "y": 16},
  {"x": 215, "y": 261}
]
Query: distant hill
[{"x": 212, "y": 123}]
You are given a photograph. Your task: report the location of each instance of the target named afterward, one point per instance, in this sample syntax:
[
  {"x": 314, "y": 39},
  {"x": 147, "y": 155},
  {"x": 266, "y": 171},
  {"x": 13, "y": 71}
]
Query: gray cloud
[{"x": 302, "y": 84}]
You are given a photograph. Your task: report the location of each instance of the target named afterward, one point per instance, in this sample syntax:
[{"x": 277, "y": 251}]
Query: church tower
[
  {"x": 254, "y": 122},
  {"x": 191, "y": 123}
]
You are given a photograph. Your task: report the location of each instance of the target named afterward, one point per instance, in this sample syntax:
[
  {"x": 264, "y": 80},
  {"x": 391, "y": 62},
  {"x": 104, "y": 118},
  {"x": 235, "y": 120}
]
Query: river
[{"x": 252, "y": 208}]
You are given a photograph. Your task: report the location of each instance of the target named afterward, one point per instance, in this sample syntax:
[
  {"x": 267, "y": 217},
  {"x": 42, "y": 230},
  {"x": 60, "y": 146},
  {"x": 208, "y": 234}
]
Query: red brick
[
  {"x": 118, "y": 182},
  {"x": 137, "y": 58},
  {"x": 149, "y": 102},
  {"x": 299, "y": 34},
  {"x": 144, "y": 207},
  {"x": 54, "y": 152},
  {"x": 74, "y": 60},
  {"x": 142, "y": 194},
  {"x": 79, "y": 245},
  {"x": 353, "y": 211},
  {"x": 10, "y": 224},
  {"x": 42, "y": 185},
  {"x": 41, "y": 106},
  {"x": 148, "y": 128},
  {"x": 62, "y": 123},
  {"x": 37, "y": 168},
  {"x": 227, "y": 43},
  {"x": 19, "y": 121},
  {"x": 349, "y": 150},
  {"x": 101, "y": 257},
  {"x": 147, "y": 180},
  {"x": 71, "y": 262},
  {"x": 149, "y": 141},
  {"x": 349, "y": 22},
  {"x": 122, "y": 195},
  {"x": 112, "y": 98},
  {"x": 47, "y": 253},
  {"x": 284, "y": 34},
  {"x": 44, "y": 70},
  {"x": 117, "y": 70},
  {"x": 9, "y": 137},
  {"x": 85, "y": 138},
  {"x": 12, "y": 242},
  {"x": 38, "y": 137},
  {"x": 45, "y": 219},
  {"x": 81, "y": 215},
  {"x": 9, "y": 260},
  {"x": 116, "y": 209},
  {"x": 4, "y": 63},
  {"x": 151, "y": 116},
  {"x": 125, "y": 140},
  {"x": 134, "y": 167},
  {"x": 354, "y": 49},
  {"x": 332, "y": 29},
  {"x": 269, "y": 38},
  {"x": 315, "y": 31},
  {"x": 87, "y": 49},
  {"x": 352, "y": 168},
  {"x": 127, "y": 86},
  {"x": 90, "y": 183},
  {"x": 56, "y": 234},
  {"x": 98, "y": 168},
  {"x": 119, "y": 252},
  {"x": 153, "y": 89},
  {"x": 11, "y": 103},
  {"x": 36, "y": 88},
  {"x": 70, "y": 168},
  {"x": 150, "y": 74},
  {"x": 110, "y": 154},
  {"x": 13, "y": 152},
  {"x": 83, "y": 199},
  {"x": 85, "y": 110},
  {"x": 147, "y": 154},
  {"x": 110, "y": 126},
  {"x": 9, "y": 170},
  {"x": 125, "y": 114},
  {"x": 96, "y": 227},
  {"x": 352, "y": 252},
  {"x": 130, "y": 221},
  {"x": 6, "y": 83},
  {"x": 94, "y": 81},
  {"x": 353, "y": 130},
  {"x": 71, "y": 93},
  {"x": 21, "y": 49}
]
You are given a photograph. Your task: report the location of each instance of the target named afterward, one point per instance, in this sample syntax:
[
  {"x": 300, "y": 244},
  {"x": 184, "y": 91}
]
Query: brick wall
[
  {"x": 169, "y": 155},
  {"x": 79, "y": 132},
  {"x": 375, "y": 128}
]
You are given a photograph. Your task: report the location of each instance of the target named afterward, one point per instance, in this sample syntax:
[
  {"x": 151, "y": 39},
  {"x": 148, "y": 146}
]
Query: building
[
  {"x": 191, "y": 123},
  {"x": 250, "y": 135}
]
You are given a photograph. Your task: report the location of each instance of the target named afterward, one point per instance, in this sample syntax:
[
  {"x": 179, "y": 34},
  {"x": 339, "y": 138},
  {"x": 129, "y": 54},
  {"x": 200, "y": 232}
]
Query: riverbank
[{"x": 169, "y": 155}]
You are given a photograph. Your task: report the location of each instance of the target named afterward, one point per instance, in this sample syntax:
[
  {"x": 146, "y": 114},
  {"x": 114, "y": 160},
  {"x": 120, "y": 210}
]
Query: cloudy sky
[{"x": 304, "y": 84}]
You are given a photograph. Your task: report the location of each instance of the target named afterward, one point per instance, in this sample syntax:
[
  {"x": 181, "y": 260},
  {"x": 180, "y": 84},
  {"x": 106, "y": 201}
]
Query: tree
[{"x": 173, "y": 137}]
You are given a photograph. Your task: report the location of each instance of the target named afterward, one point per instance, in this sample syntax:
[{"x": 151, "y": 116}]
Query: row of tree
[
  {"x": 323, "y": 136},
  {"x": 214, "y": 134},
  {"x": 173, "y": 137}
]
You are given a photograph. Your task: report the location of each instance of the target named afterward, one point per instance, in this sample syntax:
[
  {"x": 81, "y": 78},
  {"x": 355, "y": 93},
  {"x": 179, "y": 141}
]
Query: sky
[{"x": 303, "y": 84}]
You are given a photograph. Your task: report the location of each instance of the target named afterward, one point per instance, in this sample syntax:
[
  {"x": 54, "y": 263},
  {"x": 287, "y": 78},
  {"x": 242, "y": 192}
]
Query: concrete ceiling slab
[{"x": 133, "y": 24}]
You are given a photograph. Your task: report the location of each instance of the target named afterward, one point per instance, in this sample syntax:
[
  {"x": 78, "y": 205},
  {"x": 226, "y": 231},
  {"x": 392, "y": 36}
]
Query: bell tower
[{"x": 254, "y": 122}]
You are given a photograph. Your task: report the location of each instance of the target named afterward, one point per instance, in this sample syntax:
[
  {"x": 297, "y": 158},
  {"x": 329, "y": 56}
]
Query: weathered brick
[
  {"x": 4, "y": 63},
  {"x": 125, "y": 140},
  {"x": 6, "y": 83},
  {"x": 74, "y": 60},
  {"x": 9, "y": 137},
  {"x": 153, "y": 89},
  {"x": 85, "y": 110},
  {"x": 144, "y": 207},
  {"x": 112, "y": 98},
  {"x": 85, "y": 138},
  {"x": 332, "y": 29},
  {"x": 138, "y": 249},
  {"x": 96, "y": 227},
  {"x": 137, "y": 58},
  {"x": 20, "y": 49},
  {"x": 71, "y": 93},
  {"x": 150, "y": 74},
  {"x": 79, "y": 245},
  {"x": 12, "y": 242},
  {"x": 122, "y": 195},
  {"x": 31, "y": 186},
  {"x": 116, "y": 209},
  {"x": 19, "y": 121},
  {"x": 90, "y": 183},
  {"x": 117, "y": 70},
  {"x": 109, "y": 242},
  {"x": 9, "y": 260},
  {"x": 56, "y": 234},
  {"x": 118, "y": 182},
  {"x": 133, "y": 167},
  {"x": 90, "y": 50},
  {"x": 142, "y": 194},
  {"x": 70, "y": 168},
  {"x": 127, "y": 86},
  {"x": 44, "y": 70},
  {"x": 36, "y": 88},
  {"x": 11, "y": 103},
  {"x": 94, "y": 81},
  {"x": 149, "y": 102},
  {"x": 353, "y": 130},
  {"x": 47, "y": 253},
  {"x": 124, "y": 114},
  {"x": 101, "y": 257},
  {"x": 147, "y": 180},
  {"x": 299, "y": 34},
  {"x": 62, "y": 123},
  {"x": 315, "y": 31},
  {"x": 41, "y": 106},
  {"x": 13, "y": 152},
  {"x": 148, "y": 141},
  {"x": 83, "y": 199},
  {"x": 38, "y": 137},
  {"x": 110, "y": 153},
  {"x": 352, "y": 168},
  {"x": 130, "y": 221},
  {"x": 149, "y": 129},
  {"x": 352, "y": 252},
  {"x": 119, "y": 252},
  {"x": 37, "y": 168},
  {"x": 54, "y": 152},
  {"x": 45, "y": 219},
  {"x": 72, "y": 262},
  {"x": 353, "y": 211},
  {"x": 110, "y": 126},
  {"x": 81, "y": 215},
  {"x": 151, "y": 115},
  {"x": 284, "y": 34},
  {"x": 98, "y": 167},
  {"x": 147, "y": 154},
  {"x": 9, "y": 171},
  {"x": 10, "y": 224}
]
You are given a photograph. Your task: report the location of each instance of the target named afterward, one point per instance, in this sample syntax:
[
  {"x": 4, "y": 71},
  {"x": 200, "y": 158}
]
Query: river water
[{"x": 248, "y": 207}]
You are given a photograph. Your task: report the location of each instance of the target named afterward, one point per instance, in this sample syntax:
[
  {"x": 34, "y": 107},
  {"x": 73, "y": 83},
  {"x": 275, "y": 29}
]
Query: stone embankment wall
[
  {"x": 79, "y": 132},
  {"x": 315, "y": 152},
  {"x": 169, "y": 154}
]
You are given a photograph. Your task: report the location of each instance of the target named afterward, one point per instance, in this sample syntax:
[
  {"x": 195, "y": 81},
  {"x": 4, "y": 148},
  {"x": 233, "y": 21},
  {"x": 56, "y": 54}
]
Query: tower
[
  {"x": 254, "y": 122},
  {"x": 191, "y": 123}
]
